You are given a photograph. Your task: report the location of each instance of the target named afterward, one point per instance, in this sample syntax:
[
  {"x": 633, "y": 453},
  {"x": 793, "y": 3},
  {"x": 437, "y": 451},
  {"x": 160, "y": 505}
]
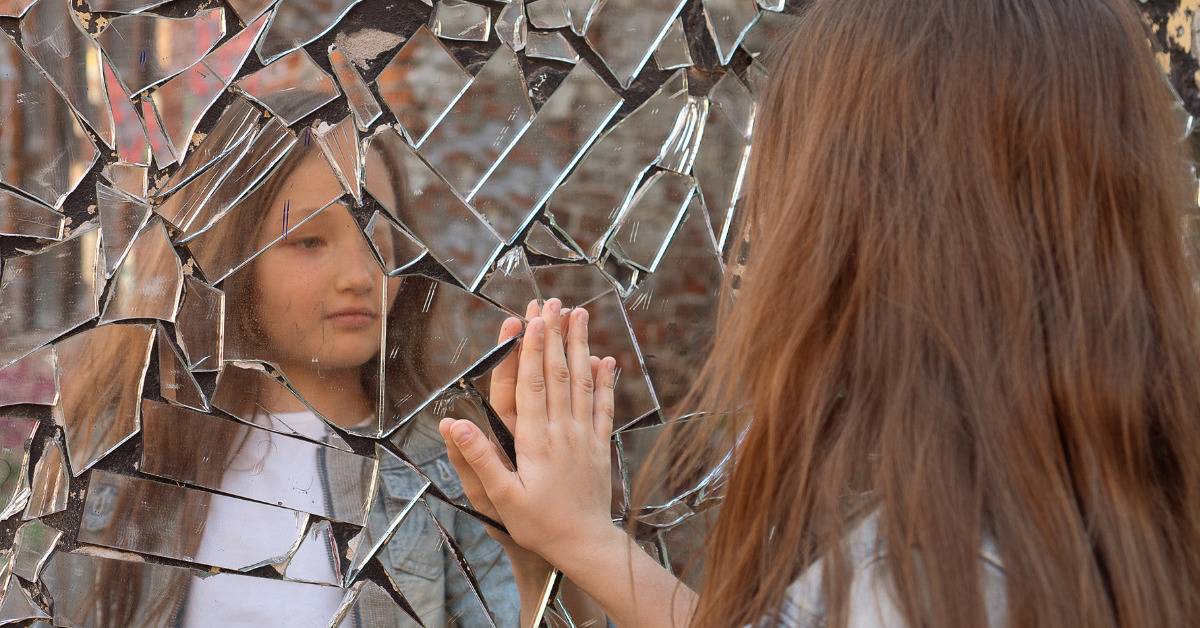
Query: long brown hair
[{"x": 967, "y": 307}]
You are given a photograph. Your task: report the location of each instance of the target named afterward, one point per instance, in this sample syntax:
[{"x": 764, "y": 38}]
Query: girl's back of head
[{"x": 968, "y": 306}]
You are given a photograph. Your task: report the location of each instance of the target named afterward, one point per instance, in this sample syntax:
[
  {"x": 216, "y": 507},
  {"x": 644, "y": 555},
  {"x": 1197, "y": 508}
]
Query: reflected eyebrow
[{"x": 297, "y": 219}]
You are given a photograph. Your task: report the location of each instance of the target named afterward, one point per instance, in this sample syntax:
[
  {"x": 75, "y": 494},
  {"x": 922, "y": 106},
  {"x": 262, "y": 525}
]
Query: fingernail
[
  {"x": 554, "y": 304},
  {"x": 611, "y": 363},
  {"x": 461, "y": 434},
  {"x": 583, "y": 315}
]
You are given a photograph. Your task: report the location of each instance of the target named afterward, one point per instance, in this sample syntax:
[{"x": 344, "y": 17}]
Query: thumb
[{"x": 479, "y": 454}]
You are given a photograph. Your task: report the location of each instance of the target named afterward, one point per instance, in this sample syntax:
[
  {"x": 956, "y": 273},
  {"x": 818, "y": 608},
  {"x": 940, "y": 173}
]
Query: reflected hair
[{"x": 968, "y": 307}]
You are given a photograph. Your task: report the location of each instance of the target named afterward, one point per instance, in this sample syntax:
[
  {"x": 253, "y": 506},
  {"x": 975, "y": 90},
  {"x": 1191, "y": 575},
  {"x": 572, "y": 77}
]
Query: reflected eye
[{"x": 309, "y": 242}]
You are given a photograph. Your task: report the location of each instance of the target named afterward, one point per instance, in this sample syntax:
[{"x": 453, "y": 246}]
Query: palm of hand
[{"x": 557, "y": 400}]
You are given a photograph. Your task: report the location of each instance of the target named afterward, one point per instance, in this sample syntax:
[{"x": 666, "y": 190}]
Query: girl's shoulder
[{"x": 872, "y": 603}]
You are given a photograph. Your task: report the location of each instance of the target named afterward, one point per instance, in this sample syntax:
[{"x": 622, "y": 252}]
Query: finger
[
  {"x": 482, "y": 458},
  {"x": 558, "y": 375},
  {"x": 603, "y": 403},
  {"x": 578, "y": 360},
  {"x": 531, "y": 384},
  {"x": 532, "y": 310},
  {"x": 594, "y": 362},
  {"x": 472, "y": 487},
  {"x": 502, "y": 391}
]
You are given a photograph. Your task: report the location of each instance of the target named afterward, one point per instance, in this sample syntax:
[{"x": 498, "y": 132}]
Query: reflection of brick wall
[{"x": 673, "y": 311}]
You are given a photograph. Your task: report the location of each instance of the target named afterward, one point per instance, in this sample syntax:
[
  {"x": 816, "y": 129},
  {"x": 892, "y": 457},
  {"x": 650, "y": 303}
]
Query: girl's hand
[{"x": 560, "y": 404}]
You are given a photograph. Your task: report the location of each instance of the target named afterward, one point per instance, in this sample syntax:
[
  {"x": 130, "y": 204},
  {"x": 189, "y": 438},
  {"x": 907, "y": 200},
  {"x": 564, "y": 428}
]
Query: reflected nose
[{"x": 359, "y": 271}]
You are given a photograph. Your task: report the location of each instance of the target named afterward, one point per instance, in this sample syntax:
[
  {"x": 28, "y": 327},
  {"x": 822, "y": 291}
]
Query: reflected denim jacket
[{"x": 419, "y": 563}]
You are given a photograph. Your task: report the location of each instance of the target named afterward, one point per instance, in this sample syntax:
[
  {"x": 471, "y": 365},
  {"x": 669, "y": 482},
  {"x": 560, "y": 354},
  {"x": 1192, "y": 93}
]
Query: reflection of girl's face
[{"x": 318, "y": 293}]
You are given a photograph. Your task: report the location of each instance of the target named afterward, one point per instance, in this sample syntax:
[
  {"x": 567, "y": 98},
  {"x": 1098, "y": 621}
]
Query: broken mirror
[
  {"x": 55, "y": 40},
  {"x": 624, "y": 33},
  {"x": 564, "y": 128},
  {"x": 49, "y": 152},
  {"x": 314, "y": 305},
  {"x": 362, "y": 102},
  {"x": 50, "y": 482},
  {"x": 250, "y": 392},
  {"x": 20, "y": 216},
  {"x": 421, "y": 201},
  {"x": 46, "y": 294},
  {"x": 512, "y": 26},
  {"x": 547, "y": 13},
  {"x": 141, "y": 515},
  {"x": 148, "y": 49},
  {"x": 553, "y": 46},
  {"x": 482, "y": 125},
  {"x": 420, "y": 84},
  {"x": 80, "y": 583},
  {"x": 587, "y": 204},
  {"x": 295, "y": 23},
  {"x": 245, "y": 330},
  {"x": 16, "y": 437},
  {"x": 98, "y": 405},
  {"x": 31, "y": 547},
  {"x": 32, "y": 379},
  {"x": 368, "y": 604},
  {"x": 180, "y": 103},
  {"x": 460, "y": 19},
  {"x": 292, "y": 87}
]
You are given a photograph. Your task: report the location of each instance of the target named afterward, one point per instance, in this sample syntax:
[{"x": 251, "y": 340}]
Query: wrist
[
  {"x": 584, "y": 542},
  {"x": 525, "y": 563}
]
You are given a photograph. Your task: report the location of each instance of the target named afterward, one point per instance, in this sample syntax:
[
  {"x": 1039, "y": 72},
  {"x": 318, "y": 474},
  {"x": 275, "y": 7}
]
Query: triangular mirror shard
[
  {"x": 175, "y": 383},
  {"x": 358, "y": 95},
  {"x": 340, "y": 144},
  {"x": 20, "y": 216},
  {"x": 121, "y": 218},
  {"x": 149, "y": 281},
  {"x": 16, "y": 437},
  {"x": 420, "y": 84}
]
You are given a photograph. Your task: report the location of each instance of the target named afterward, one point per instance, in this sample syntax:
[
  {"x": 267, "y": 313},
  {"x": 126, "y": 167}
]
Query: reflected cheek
[{"x": 290, "y": 311}]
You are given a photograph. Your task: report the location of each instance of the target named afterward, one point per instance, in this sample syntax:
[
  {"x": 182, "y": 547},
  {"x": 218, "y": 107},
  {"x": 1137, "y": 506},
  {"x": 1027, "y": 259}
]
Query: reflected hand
[
  {"x": 530, "y": 569},
  {"x": 558, "y": 402}
]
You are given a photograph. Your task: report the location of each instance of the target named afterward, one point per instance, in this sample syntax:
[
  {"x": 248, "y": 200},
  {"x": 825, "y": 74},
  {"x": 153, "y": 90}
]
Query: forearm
[{"x": 629, "y": 585}]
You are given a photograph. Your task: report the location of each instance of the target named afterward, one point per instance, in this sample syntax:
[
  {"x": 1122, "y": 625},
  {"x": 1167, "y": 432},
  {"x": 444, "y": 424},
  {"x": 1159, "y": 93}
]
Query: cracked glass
[{"x": 252, "y": 252}]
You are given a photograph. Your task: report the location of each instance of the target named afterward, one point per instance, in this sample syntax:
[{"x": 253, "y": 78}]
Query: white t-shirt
[{"x": 230, "y": 602}]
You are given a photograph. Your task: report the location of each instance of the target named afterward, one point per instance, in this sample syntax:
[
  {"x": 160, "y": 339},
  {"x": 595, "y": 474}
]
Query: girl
[
  {"x": 316, "y": 304},
  {"x": 966, "y": 336}
]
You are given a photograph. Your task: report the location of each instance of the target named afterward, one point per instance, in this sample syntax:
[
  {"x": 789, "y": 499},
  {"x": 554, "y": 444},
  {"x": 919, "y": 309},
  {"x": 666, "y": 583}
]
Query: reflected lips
[{"x": 352, "y": 317}]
